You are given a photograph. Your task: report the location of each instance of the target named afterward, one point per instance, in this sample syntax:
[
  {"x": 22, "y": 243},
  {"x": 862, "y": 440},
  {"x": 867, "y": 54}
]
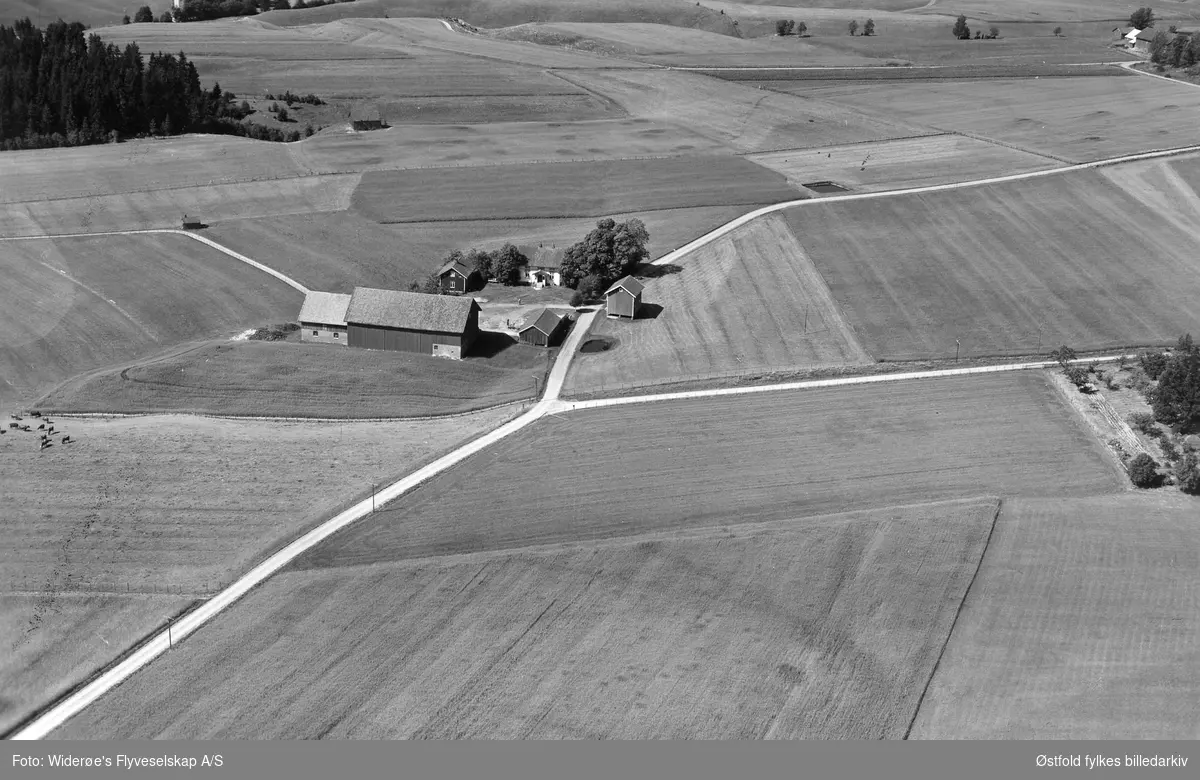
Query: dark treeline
[
  {"x": 203, "y": 10},
  {"x": 58, "y": 88}
]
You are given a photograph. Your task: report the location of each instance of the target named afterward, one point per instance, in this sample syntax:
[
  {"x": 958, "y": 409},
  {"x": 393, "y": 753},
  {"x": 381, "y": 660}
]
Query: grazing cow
[
  {"x": 14, "y": 425},
  {"x": 15, "y": 416},
  {"x": 35, "y": 414},
  {"x": 42, "y": 427},
  {"x": 51, "y": 429},
  {"x": 66, "y": 438}
]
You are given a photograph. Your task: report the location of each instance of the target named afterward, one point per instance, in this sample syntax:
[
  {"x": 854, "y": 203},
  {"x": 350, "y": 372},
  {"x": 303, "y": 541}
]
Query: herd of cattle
[{"x": 45, "y": 429}]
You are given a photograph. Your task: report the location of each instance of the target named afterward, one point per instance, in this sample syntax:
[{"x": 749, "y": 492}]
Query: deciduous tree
[
  {"x": 961, "y": 30},
  {"x": 608, "y": 252},
  {"x": 143, "y": 15},
  {"x": 869, "y": 27},
  {"x": 1142, "y": 18},
  {"x": 507, "y": 262},
  {"x": 801, "y": 28},
  {"x": 853, "y": 26}
]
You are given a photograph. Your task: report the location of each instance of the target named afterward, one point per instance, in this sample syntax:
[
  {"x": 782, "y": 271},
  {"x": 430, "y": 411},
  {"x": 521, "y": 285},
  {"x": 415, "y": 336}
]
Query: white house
[{"x": 539, "y": 276}]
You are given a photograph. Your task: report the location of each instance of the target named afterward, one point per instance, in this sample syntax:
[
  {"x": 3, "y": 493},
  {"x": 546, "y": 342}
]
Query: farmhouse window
[
  {"x": 316, "y": 333},
  {"x": 337, "y": 335}
]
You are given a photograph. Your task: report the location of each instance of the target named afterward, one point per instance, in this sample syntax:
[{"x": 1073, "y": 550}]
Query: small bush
[
  {"x": 274, "y": 332},
  {"x": 1143, "y": 472},
  {"x": 1169, "y": 450},
  {"x": 1143, "y": 422},
  {"x": 1076, "y": 376},
  {"x": 577, "y": 298}
]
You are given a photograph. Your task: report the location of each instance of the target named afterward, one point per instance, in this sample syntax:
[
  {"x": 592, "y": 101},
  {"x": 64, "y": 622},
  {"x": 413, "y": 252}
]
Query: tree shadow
[
  {"x": 490, "y": 343},
  {"x": 648, "y": 271}
]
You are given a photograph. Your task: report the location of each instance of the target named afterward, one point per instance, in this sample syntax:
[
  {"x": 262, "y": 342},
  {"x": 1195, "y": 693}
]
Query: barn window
[
  {"x": 316, "y": 333},
  {"x": 337, "y": 335}
]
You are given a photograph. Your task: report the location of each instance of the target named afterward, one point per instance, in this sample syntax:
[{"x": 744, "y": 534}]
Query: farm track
[{"x": 59, "y": 712}]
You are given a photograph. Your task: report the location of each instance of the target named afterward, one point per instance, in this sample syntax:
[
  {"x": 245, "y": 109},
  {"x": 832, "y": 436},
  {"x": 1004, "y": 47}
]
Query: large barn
[
  {"x": 323, "y": 317},
  {"x": 439, "y": 325}
]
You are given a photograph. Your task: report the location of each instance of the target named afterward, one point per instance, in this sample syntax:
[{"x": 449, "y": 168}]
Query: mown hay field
[
  {"x": 1078, "y": 119},
  {"x": 630, "y": 469},
  {"x": 546, "y": 190},
  {"x": 53, "y": 642},
  {"x": 338, "y": 251},
  {"x": 1011, "y": 268},
  {"x": 164, "y": 208},
  {"x": 289, "y": 379},
  {"x": 908, "y": 162},
  {"x": 416, "y": 146},
  {"x": 98, "y": 530},
  {"x": 748, "y": 302},
  {"x": 70, "y": 305},
  {"x": 1082, "y": 624},
  {"x": 822, "y": 628},
  {"x": 745, "y": 118}
]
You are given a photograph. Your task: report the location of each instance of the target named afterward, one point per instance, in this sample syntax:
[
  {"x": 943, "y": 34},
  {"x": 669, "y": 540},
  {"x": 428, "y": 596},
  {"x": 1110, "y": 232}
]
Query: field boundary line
[
  {"x": 268, "y": 418},
  {"x": 685, "y": 533},
  {"x": 987, "y": 543},
  {"x": 815, "y": 384},
  {"x": 171, "y": 231}
]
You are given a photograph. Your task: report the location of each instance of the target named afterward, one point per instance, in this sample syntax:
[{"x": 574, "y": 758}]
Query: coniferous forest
[{"x": 60, "y": 87}]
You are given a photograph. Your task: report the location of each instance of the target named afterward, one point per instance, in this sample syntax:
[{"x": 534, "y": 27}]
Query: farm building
[
  {"x": 439, "y": 325},
  {"x": 1125, "y": 36},
  {"x": 457, "y": 277},
  {"x": 323, "y": 317},
  {"x": 541, "y": 276},
  {"x": 624, "y": 298},
  {"x": 545, "y": 331},
  {"x": 367, "y": 118},
  {"x": 1142, "y": 40}
]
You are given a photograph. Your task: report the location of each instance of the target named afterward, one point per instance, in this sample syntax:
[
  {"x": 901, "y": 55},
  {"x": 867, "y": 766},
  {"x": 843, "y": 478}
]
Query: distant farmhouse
[
  {"x": 457, "y": 277},
  {"x": 1142, "y": 40},
  {"x": 545, "y": 331},
  {"x": 540, "y": 276},
  {"x": 624, "y": 298},
  {"x": 364, "y": 118},
  {"x": 438, "y": 325}
]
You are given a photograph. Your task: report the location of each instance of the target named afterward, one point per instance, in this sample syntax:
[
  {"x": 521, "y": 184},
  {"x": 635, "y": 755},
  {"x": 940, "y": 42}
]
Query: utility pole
[
  {"x": 372, "y": 498},
  {"x": 806, "y": 318},
  {"x": 535, "y": 384},
  {"x": 956, "y": 346}
]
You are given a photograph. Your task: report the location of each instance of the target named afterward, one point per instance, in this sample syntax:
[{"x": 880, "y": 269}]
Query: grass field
[
  {"x": 136, "y": 507},
  {"x": 587, "y": 189},
  {"x": 826, "y": 628},
  {"x": 164, "y": 208},
  {"x": 1080, "y": 119},
  {"x": 800, "y": 81},
  {"x": 49, "y": 651},
  {"x": 745, "y": 118},
  {"x": 342, "y": 250},
  {"x": 1006, "y": 268},
  {"x": 287, "y": 379},
  {"x": 624, "y": 470},
  {"x": 909, "y": 162},
  {"x": 70, "y": 305},
  {"x": 748, "y": 302},
  {"x": 1082, "y": 624}
]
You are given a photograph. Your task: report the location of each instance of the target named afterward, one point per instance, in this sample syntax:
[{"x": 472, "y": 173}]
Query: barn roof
[
  {"x": 629, "y": 284},
  {"x": 324, "y": 308},
  {"x": 1132, "y": 33},
  {"x": 546, "y": 322},
  {"x": 455, "y": 265},
  {"x": 1146, "y": 35},
  {"x": 409, "y": 310}
]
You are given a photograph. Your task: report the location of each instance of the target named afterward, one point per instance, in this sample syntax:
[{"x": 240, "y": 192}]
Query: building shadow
[
  {"x": 648, "y": 311},
  {"x": 490, "y": 343}
]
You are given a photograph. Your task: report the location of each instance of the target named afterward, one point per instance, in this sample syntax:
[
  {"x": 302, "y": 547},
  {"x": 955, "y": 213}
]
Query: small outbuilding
[
  {"x": 545, "y": 331},
  {"x": 624, "y": 298},
  {"x": 438, "y": 325},
  {"x": 323, "y": 317},
  {"x": 457, "y": 277}
]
